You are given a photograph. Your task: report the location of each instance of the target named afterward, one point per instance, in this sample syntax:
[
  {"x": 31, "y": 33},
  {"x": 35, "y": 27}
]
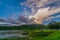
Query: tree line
[{"x": 51, "y": 25}]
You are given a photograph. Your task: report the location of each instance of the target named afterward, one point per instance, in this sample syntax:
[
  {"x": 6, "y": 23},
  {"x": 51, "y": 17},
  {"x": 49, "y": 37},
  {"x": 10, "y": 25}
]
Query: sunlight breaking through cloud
[{"x": 39, "y": 12}]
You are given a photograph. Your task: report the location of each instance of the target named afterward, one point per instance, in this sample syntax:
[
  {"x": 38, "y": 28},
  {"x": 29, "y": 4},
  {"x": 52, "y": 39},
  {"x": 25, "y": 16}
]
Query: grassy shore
[
  {"x": 55, "y": 35},
  {"x": 39, "y": 35}
]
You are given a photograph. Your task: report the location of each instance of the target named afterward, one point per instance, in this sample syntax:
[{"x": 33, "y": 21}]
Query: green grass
[{"x": 54, "y": 36}]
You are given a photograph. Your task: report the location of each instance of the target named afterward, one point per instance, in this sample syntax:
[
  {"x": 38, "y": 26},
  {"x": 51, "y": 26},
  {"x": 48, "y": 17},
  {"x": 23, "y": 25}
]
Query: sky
[
  {"x": 29, "y": 11},
  {"x": 10, "y": 7}
]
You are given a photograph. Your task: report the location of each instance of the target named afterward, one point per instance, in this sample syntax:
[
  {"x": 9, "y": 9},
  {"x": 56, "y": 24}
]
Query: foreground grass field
[
  {"x": 39, "y": 35},
  {"x": 55, "y": 35}
]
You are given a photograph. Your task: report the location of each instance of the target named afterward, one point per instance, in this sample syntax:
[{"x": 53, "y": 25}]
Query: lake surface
[{"x": 11, "y": 33}]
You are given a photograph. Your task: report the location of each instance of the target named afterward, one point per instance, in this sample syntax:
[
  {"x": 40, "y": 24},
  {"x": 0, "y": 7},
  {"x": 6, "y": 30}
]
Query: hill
[{"x": 30, "y": 26}]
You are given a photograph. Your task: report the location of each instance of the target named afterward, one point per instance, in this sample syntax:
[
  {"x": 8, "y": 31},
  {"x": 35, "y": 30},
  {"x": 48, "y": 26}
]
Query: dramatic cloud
[
  {"x": 45, "y": 13},
  {"x": 21, "y": 19},
  {"x": 41, "y": 11},
  {"x": 2, "y": 20},
  {"x": 52, "y": 17},
  {"x": 24, "y": 19},
  {"x": 36, "y": 4}
]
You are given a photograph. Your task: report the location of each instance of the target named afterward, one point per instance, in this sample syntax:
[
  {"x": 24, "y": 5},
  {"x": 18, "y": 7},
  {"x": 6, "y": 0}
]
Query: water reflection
[{"x": 11, "y": 33}]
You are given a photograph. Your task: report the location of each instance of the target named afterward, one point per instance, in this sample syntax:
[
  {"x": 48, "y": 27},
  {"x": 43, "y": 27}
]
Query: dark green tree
[{"x": 54, "y": 25}]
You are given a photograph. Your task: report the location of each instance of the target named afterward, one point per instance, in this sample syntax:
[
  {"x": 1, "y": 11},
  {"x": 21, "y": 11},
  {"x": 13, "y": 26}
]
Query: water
[{"x": 11, "y": 33}]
